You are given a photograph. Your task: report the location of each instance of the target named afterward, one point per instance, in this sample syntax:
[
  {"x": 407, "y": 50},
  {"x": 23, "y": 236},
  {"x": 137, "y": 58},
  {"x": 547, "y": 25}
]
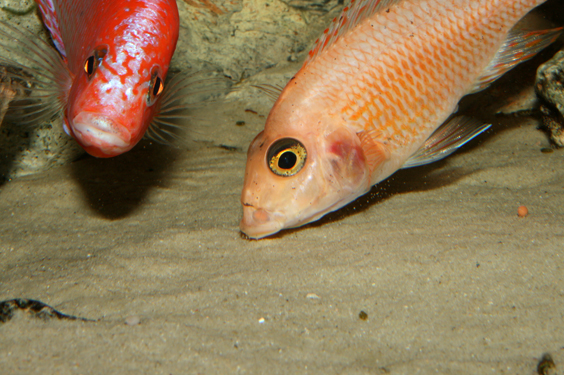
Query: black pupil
[
  {"x": 157, "y": 86},
  {"x": 90, "y": 64},
  {"x": 287, "y": 160}
]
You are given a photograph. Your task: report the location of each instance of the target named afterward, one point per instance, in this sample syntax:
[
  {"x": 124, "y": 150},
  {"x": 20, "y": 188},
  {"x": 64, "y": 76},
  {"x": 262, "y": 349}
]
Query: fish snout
[
  {"x": 258, "y": 222},
  {"x": 101, "y": 136}
]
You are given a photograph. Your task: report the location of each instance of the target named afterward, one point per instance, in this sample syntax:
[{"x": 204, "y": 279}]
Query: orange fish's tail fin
[
  {"x": 448, "y": 138},
  {"x": 186, "y": 96},
  {"x": 34, "y": 73},
  {"x": 518, "y": 47}
]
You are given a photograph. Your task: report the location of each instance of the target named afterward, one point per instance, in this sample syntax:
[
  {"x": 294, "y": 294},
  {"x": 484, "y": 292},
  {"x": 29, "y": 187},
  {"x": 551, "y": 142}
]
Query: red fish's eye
[
  {"x": 89, "y": 66},
  {"x": 158, "y": 87},
  {"x": 94, "y": 61}
]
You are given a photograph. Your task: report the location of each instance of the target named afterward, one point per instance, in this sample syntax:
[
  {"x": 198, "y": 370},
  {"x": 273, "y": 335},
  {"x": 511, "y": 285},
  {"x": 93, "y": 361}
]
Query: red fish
[
  {"x": 370, "y": 97},
  {"x": 110, "y": 74}
]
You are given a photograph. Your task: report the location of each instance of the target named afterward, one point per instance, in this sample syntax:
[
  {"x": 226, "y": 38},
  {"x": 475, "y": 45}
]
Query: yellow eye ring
[{"x": 286, "y": 157}]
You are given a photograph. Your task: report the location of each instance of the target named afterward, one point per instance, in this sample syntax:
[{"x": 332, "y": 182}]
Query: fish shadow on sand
[
  {"x": 114, "y": 188},
  {"x": 11, "y": 150}
]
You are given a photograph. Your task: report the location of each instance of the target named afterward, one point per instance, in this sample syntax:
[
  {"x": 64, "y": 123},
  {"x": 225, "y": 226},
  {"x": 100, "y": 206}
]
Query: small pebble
[
  {"x": 261, "y": 320},
  {"x": 362, "y": 315},
  {"x": 132, "y": 320},
  {"x": 312, "y": 296},
  {"x": 546, "y": 365},
  {"x": 522, "y": 211},
  {"x": 547, "y": 150}
]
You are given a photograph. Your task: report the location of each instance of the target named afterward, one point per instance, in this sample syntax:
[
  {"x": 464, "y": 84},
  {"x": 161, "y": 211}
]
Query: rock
[
  {"x": 244, "y": 37},
  {"x": 550, "y": 88}
]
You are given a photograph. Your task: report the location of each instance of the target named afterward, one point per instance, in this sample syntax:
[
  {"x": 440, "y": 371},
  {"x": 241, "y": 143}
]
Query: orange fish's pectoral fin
[
  {"x": 448, "y": 138},
  {"x": 375, "y": 150},
  {"x": 518, "y": 47}
]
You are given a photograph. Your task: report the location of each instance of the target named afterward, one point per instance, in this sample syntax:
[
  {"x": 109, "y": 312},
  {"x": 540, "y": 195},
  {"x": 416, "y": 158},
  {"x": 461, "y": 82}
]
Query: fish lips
[
  {"x": 99, "y": 135},
  {"x": 258, "y": 222}
]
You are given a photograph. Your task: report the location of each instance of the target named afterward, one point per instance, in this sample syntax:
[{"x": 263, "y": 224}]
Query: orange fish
[{"x": 370, "y": 99}]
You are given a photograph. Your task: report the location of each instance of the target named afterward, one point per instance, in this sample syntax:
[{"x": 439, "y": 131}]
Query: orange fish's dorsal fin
[
  {"x": 356, "y": 12},
  {"x": 448, "y": 138},
  {"x": 50, "y": 19},
  {"x": 183, "y": 96},
  {"x": 518, "y": 47},
  {"x": 375, "y": 151}
]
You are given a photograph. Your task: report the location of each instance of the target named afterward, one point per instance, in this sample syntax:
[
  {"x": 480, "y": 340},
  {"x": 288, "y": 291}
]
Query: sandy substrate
[{"x": 452, "y": 281}]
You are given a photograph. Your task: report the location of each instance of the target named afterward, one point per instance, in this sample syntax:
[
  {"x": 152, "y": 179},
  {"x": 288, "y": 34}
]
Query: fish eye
[
  {"x": 156, "y": 86},
  {"x": 94, "y": 61},
  {"x": 89, "y": 66},
  {"x": 286, "y": 157}
]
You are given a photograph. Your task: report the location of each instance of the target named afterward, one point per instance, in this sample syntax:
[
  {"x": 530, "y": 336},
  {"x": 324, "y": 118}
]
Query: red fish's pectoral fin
[
  {"x": 272, "y": 91},
  {"x": 185, "y": 104},
  {"x": 448, "y": 138},
  {"x": 37, "y": 74},
  {"x": 518, "y": 47},
  {"x": 375, "y": 151}
]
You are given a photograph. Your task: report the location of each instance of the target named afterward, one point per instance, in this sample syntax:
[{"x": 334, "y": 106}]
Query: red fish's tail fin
[{"x": 51, "y": 21}]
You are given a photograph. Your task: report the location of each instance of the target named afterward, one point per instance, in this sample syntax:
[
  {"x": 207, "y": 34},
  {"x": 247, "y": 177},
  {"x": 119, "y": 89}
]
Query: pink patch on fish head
[{"x": 346, "y": 156}]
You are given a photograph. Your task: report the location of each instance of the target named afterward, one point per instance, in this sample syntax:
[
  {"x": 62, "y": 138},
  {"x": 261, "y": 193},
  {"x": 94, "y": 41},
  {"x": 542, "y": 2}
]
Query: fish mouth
[
  {"x": 259, "y": 223},
  {"x": 99, "y": 135}
]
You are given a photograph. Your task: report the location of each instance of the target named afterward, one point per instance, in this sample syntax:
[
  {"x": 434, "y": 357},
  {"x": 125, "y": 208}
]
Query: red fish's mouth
[{"x": 100, "y": 136}]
